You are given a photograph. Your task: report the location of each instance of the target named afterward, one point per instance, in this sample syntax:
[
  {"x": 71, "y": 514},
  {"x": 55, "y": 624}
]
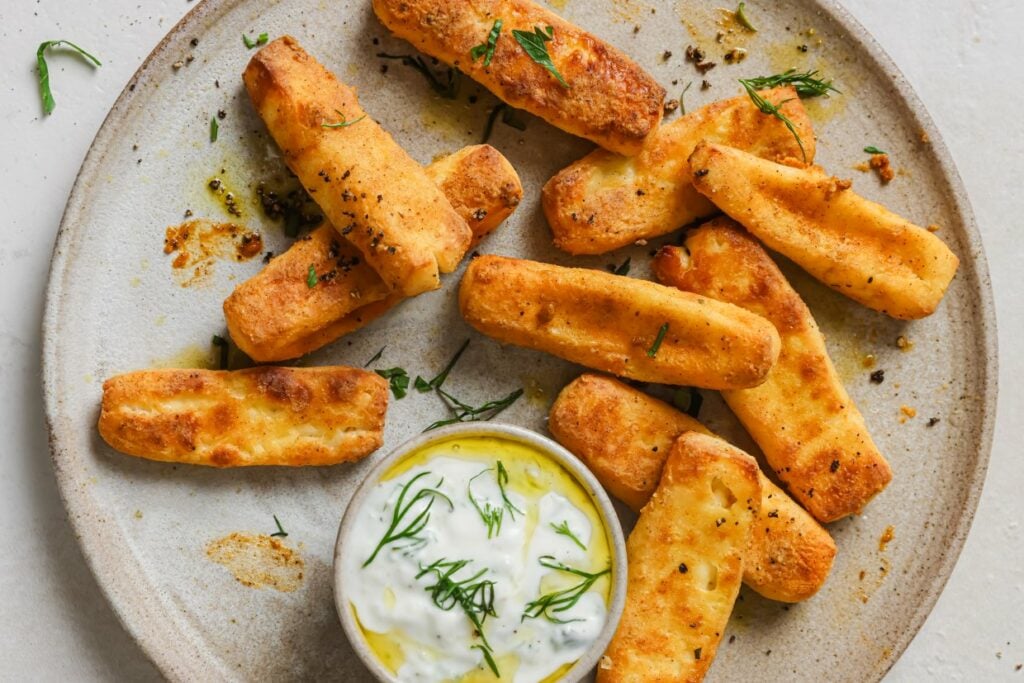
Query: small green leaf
[
  {"x": 398, "y": 378},
  {"x": 871, "y": 149},
  {"x": 214, "y": 128},
  {"x": 534, "y": 46},
  {"x": 486, "y": 50},
  {"x": 311, "y": 278}
]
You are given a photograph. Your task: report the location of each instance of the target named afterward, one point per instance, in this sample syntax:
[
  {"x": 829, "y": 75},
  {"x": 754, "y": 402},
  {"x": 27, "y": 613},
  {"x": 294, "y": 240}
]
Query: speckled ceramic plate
[{"x": 114, "y": 305}]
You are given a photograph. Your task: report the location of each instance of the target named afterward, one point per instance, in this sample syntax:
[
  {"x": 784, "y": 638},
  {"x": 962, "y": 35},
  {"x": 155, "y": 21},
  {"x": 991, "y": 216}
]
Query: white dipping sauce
[{"x": 418, "y": 640}]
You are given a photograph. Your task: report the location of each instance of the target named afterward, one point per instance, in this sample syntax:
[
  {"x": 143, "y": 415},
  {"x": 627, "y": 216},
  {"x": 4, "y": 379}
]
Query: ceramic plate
[{"x": 115, "y": 304}]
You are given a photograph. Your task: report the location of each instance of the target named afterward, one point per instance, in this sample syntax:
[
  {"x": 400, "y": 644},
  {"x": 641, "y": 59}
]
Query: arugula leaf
[
  {"x": 49, "y": 104},
  {"x": 534, "y": 46}
]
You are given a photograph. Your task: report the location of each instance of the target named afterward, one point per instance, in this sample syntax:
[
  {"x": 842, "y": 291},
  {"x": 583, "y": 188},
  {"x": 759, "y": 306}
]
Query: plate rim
[{"x": 175, "y": 659}]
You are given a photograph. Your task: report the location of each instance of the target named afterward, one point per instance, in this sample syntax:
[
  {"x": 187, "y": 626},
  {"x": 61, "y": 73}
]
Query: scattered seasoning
[
  {"x": 49, "y": 104},
  {"x": 806, "y": 83},
  {"x": 344, "y": 123},
  {"x": 214, "y": 129},
  {"x": 296, "y": 209},
  {"x": 250, "y": 43},
  {"x": 735, "y": 55},
  {"x": 880, "y": 163},
  {"x": 732, "y": 639},
  {"x": 376, "y": 357},
  {"x": 486, "y": 50},
  {"x": 666, "y": 55},
  {"x": 878, "y": 376},
  {"x": 534, "y": 46},
  {"x": 932, "y": 421},
  {"x": 904, "y": 344},
  {"x": 682, "y": 95},
  {"x": 280, "y": 530},
  {"x": 446, "y": 86},
  {"x": 688, "y": 400},
  {"x": 653, "y": 351},
  {"x": 699, "y": 59},
  {"x": 741, "y": 18},
  {"x": 398, "y": 378},
  {"x": 311, "y": 278},
  {"x": 671, "y": 106}
]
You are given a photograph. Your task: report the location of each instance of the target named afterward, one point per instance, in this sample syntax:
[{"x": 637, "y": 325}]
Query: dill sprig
[
  {"x": 564, "y": 530},
  {"x": 424, "y": 386},
  {"x": 446, "y": 86},
  {"x": 770, "y": 109},
  {"x": 806, "y": 83},
  {"x": 343, "y": 123},
  {"x": 473, "y": 594},
  {"x": 492, "y": 516},
  {"x": 464, "y": 412},
  {"x": 49, "y": 104},
  {"x": 563, "y": 600},
  {"x": 402, "y": 510}
]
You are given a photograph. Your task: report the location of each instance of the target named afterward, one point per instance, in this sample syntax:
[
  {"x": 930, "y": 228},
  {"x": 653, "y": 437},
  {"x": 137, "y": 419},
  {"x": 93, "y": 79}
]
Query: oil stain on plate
[{"x": 259, "y": 561}]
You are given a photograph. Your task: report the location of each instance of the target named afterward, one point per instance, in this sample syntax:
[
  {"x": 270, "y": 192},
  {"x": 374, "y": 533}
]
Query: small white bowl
[{"x": 617, "y": 544}]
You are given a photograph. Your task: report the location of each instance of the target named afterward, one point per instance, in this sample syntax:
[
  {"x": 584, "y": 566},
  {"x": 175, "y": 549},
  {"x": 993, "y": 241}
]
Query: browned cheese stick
[
  {"x": 373, "y": 192},
  {"x": 624, "y": 436},
  {"x": 606, "y": 201},
  {"x": 618, "y": 324},
  {"x": 258, "y": 416},
  {"x": 607, "y": 99},
  {"x": 276, "y": 316},
  {"x": 685, "y": 564},
  {"x": 809, "y": 429},
  {"x": 857, "y": 247}
]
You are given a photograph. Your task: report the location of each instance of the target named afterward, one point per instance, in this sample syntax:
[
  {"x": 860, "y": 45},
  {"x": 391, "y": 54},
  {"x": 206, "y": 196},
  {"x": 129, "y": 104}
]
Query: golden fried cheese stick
[
  {"x": 685, "y": 564},
  {"x": 606, "y": 201},
  {"x": 809, "y": 429},
  {"x": 276, "y": 315},
  {"x": 257, "y": 416},
  {"x": 624, "y": 436},
  {"x": 616, "y": 324},
  {"x": 857, "y": 247},
  {"x": 367, "y": 186},
  {"x": 606, "y": 98}
]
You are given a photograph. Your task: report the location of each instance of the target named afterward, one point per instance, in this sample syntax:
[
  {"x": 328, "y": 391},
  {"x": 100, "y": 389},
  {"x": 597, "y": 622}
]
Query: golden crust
[
  {"x": 275, "y": 315},
  {"x": 258, "y": 416},
  {"x": 809, "y": 429},
  {"x": 624, "y": 436},
  {"x": 609, "y": 323},
  {"x": 610, "y": 99},
  {"x": 606, "y": 201},
  {"x": 366, "y": 185},
  {"x": 855, "y": 246},
  {"x": 685, "y": 564}
]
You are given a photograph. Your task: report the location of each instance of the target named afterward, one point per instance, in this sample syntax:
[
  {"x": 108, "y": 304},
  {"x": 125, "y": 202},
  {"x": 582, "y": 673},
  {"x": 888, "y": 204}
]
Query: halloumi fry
[
  {"x": 366, "y": 185},
  {"x": 685, "y": 564},
  {"x": 809, "y": 429},
  {"x": 621, "y": 325},
  {"x": 857, "y": 247},
  {"x": 275, "y": 315},
  {"x": 257, "y": 416},
  {"x": 606, "y": 201},
  {"x": 606, "y": 98},
  {"x": 624, "y": 437}
]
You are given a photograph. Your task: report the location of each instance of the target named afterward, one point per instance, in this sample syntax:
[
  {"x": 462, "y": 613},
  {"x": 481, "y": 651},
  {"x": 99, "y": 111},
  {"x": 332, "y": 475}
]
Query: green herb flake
[
  {"x": 311, "y": 278},
  {"x": 564, "y": 530},
  {"x": 871, "y": 149},
  {"x": 214, "y": 128},
  {"x": 653, "y": 351},
  {"x": 280, "y": 529},
  {"x": 486, "y": 50},
  {"x": 743, "y": 21},
  {"x": 49, "y": 104},
  {"x": 621, "y": 269},
  {"x": 249, "y": 43},
  {"x": 422, "y": 500},
  {"x": 770, "y": 109},
  {"x": 398, "y": 378},
  {"x": 534, "y": 46},
  {"x": 344, "y": 123},
  {"x": 376, "y": 357},
  {"x": 550, "y": 604},
  {"x": 466, "y": 413}
]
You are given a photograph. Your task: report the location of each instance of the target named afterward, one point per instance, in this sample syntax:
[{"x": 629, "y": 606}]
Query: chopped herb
[
  {"x": 344, "y": 123},
  {"x": 280, "y": 529},
  {"x": 376, "y": 356},
  {"x": 653, "y": 351},
  {"x": 806, "y": 83},
  {"x": 250, "y": 43},
  {"x": 502, "y": 482},
  {"x": 682, "y": 104},
  {"x": 424, "y": 386},
  {"x": 49, "y": 104},
  {"x": 399, "y": 380},
  {"x": 564, "y": 530},
  {"x": 871, "y": 149},
  {"x": 486, "y": 50},
  {"x": 509, "y": 117},
  {"x": 402, "y": 509},
  {"x": 770, "y": 109},
  {"x": 223, "y": 350},
  {"x": 214, "y": 128},
  {"x": 621, "y": 269},
  {"x": 560, "y": 601},
  {"x": 467, "y": 413},
  {"x": 534, "y": 46},
  {"x": 688, "y": 400},
  {"x": 311, "y": 278},
  {"x": 741, "y": 17},
  {"x": 474, "y": 595},
  {"x": 447, "y": 88}
]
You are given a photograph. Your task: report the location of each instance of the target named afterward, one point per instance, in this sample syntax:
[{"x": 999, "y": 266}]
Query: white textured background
[{"x": 964, "y": 57}]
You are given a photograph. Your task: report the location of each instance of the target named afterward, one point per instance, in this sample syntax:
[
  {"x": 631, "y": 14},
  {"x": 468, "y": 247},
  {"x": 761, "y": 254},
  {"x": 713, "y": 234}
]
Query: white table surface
[{"x": 964, "y": 57}]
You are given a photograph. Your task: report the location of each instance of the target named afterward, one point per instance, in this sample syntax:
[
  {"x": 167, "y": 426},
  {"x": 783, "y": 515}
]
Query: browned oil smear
[
  {"x": 259, "y": 561},
  {"x": 887, "y": 536},
  {"x": 198, "y": 244}
]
